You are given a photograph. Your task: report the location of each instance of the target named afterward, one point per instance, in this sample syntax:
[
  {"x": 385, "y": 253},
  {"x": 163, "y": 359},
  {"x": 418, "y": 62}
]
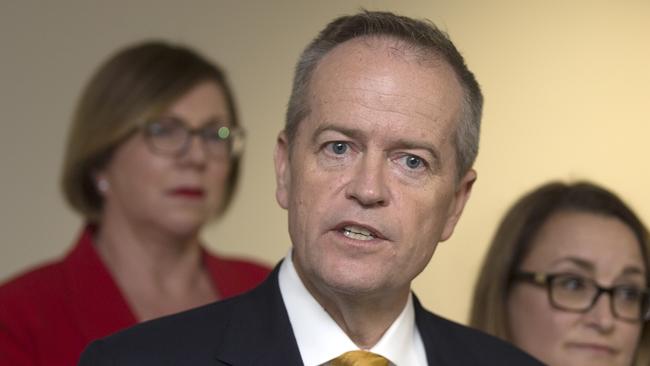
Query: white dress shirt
[{"x": 320, "y": 339}]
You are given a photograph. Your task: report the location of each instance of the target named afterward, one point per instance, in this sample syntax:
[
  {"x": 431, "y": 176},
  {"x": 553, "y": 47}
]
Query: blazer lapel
[
  {"x": 258, "y": 331},
  {"x": 99, "y": 306}
]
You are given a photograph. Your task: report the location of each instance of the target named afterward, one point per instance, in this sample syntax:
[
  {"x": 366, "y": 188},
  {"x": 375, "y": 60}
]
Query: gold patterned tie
[{"x": 359, "y": 358}]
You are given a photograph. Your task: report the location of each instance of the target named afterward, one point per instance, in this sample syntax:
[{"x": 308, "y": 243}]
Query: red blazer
[{"x": 49, "y": 314}]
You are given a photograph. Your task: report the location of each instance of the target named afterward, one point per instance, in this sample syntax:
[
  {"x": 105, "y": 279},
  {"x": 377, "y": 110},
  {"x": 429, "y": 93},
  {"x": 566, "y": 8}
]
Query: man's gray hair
[{"x": 426, "y": 39}]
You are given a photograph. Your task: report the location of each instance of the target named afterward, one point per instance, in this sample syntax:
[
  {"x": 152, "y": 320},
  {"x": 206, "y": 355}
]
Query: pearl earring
[{"x": 102, "y": 185}]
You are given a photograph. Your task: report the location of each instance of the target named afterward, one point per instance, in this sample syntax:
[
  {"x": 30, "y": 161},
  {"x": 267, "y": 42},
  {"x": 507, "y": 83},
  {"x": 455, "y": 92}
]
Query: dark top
[{"x": 254, "y": 329}]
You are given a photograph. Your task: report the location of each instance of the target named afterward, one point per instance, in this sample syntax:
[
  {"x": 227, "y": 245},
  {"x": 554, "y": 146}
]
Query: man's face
[{"x": 369, "y": 180}]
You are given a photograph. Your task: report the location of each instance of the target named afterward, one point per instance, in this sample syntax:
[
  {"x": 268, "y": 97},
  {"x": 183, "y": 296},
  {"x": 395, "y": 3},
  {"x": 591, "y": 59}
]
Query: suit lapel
[
  {"x": 258, "y": 331},
  {"x": 429, "y": 333}
]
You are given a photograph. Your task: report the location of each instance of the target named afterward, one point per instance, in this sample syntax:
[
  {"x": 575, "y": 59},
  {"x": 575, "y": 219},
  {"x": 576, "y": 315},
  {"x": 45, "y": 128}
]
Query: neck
[
  {"x": 159, "y": 273},
  {"x": 123, "y": 244},
  {"x": 146, "y": 258},
  {"x": 364, "y": 317}
]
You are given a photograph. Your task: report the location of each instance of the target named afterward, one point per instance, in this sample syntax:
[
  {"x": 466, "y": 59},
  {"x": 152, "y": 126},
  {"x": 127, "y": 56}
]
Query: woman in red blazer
[{"x": 152, "y": 156}]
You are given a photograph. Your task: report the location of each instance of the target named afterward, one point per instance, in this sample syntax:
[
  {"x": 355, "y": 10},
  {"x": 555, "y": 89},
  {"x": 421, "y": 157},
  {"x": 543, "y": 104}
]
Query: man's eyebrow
[
  {"x": 417, "y": 145},
  {"x": 350, "y": 132}
]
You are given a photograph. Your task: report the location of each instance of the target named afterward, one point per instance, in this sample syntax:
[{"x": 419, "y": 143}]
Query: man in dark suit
[{"x": 374, "y": 168}]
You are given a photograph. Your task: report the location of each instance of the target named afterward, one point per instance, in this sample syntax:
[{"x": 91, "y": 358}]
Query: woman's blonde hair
[
  {"x": 512, "y": 243},
  {"x": 136, "y": 84}
]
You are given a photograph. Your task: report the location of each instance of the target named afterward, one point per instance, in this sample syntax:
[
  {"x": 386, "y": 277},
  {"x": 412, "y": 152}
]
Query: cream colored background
[{"x": 566, "y": 86}]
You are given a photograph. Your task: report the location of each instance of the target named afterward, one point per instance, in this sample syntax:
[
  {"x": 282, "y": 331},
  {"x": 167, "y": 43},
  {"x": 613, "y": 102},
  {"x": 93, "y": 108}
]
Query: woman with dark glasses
[{"x": 566, "y": 279}]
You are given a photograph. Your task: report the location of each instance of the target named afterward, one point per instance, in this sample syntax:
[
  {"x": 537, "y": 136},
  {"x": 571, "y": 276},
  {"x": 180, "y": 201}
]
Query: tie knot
[{"x": 359, "y": 358}]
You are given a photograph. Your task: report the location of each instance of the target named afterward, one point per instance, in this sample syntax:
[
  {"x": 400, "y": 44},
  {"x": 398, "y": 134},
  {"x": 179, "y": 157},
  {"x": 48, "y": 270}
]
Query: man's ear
[
  {"x": 461, "y": 196},
  {"x": 282, "y": 170}
]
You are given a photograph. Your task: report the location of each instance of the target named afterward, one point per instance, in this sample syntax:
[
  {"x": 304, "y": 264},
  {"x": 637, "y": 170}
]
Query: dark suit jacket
[{"x": 254, "y": 329}]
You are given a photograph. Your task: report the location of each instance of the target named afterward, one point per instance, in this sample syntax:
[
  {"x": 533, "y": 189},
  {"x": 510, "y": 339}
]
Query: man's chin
[{"x": 355, "y": 283}]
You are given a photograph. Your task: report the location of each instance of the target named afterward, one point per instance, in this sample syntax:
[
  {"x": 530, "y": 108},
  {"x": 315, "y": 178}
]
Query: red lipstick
[{"x": 188, "y": 192}]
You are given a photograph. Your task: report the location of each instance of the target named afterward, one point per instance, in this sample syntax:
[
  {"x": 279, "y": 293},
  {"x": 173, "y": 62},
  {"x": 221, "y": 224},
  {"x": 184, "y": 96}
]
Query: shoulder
[
  {"x": 161, "y": 341},
  {"x": 27, "y": 301},
  {"x": 36, "y": 282},
  {"x": 453, "y": 343},
  {"x": 190, "y": 334},
  {"x": 191, "y": 337},
  {"x": 49, "y": 278},
  {"x": 239, "y": 265},
  {"x": 208, "y": 320},
  {"x": 233, "y": 276}
]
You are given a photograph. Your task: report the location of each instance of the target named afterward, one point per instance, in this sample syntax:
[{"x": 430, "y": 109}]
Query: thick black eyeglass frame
[
  {"x": 236, "y": 137},
  {"x": 546, "y": 280}
]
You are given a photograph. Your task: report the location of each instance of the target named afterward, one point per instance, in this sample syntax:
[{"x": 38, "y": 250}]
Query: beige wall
[{"x": 566, "y": 86}]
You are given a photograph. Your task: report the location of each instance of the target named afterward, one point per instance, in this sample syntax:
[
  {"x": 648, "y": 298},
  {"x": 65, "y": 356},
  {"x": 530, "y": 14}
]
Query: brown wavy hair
[{"x": 136, "y": 84}]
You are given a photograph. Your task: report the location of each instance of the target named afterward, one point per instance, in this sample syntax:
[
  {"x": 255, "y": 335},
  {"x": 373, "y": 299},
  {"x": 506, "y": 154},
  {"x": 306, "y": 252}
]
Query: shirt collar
[{"x": 320, "y": 339}]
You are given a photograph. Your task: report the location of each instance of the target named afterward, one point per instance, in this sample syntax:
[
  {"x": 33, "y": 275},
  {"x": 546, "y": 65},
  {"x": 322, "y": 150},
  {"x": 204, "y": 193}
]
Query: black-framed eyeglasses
[
  {"x": 575, "y": 293},
  {"x": 170, "y": 136}
]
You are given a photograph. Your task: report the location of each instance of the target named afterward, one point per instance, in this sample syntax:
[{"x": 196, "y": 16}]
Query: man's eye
[
  {"x": 338, "y": 147},
  {"x": 413, "y": 162}
]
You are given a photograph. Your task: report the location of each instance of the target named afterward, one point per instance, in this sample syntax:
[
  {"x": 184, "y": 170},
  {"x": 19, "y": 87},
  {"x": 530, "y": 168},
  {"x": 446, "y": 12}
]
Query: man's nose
[{"x": 368, "y": 184}]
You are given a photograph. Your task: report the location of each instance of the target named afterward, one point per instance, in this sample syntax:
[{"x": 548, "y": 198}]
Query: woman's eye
[
  {"x": 572, "y": 283},
  {"x": 628, "y": 293},
  {"x": 338, "y": 147},
  {"x": 212, "y": 135},
  {"x": 215, "y": 134},
  {"x": 162, "y": 128},
  {"x": 157, "y": 129}
]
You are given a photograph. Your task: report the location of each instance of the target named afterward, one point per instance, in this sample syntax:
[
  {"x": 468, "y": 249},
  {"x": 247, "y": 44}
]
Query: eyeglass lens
[
  {"x": 170, "y": 136},
  {"x": 572, "y": 292}
]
